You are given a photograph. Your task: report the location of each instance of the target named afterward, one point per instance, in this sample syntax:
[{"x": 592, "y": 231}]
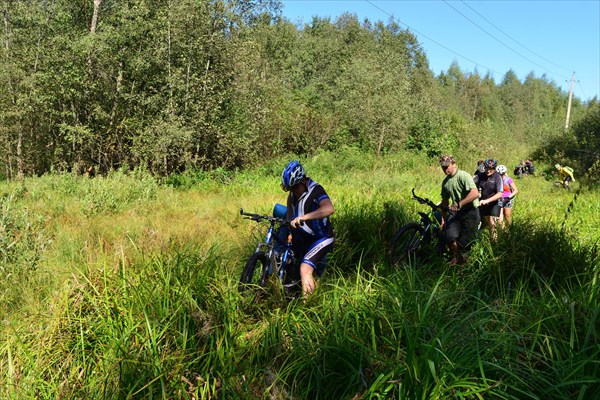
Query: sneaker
[
  {"x": 291, "y": 284},
  {"x": 292, "y": 290}
]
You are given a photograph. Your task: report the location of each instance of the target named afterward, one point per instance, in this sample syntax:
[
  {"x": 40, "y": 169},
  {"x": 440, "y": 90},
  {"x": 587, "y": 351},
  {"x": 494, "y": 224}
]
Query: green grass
[{"x": 125, "y": 287}]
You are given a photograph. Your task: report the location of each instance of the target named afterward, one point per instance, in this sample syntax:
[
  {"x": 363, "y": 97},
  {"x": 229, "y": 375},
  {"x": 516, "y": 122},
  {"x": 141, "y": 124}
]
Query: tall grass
[{"x": 138, "y": 299}]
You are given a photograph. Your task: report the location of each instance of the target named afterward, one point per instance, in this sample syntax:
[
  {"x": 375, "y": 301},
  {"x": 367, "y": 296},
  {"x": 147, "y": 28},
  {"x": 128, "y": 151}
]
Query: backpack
[{"x": 506, "y": 186}]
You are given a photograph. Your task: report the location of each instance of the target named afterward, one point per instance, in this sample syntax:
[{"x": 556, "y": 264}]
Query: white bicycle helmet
[{"x": 501, "y": 169}]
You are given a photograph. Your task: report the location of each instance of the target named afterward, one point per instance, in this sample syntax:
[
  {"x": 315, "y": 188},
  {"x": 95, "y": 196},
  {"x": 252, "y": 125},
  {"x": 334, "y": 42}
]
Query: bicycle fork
[
  {"x": 285, "y": 256},
  {"x": 268, "y": 246}
]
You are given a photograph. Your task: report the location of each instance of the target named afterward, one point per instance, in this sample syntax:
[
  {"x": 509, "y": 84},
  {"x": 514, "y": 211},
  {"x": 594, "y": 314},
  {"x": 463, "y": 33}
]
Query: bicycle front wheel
[
  {"x": 256, "y": 271},
  {"x": 406, "y": 243}
]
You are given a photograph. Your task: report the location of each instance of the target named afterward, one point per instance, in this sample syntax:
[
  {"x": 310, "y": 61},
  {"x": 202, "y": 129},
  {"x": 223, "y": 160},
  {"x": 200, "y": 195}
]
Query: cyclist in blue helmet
[{"x": 308, "y": 208}]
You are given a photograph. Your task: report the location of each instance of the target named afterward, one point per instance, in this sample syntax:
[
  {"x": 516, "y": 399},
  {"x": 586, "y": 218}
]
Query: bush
[
  {"x": 587, "y": 133},
  {"x": 432, "y": 135},
  {"x": 22, "y": 243},
  {"x": 116, "y": 191}
]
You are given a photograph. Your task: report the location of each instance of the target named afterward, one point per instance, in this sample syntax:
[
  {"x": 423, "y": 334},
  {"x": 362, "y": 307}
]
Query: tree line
[{"x": 175, "y": 84}]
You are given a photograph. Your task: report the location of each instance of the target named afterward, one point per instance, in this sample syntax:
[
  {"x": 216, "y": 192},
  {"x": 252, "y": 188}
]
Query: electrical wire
[
  {"x": 430, "y": 39},
  {"x": 562, "y": 76},
  {"x": 582, "y": 91},
  {"x": 513, "y": 39},
  {"x": 501, "y": 42}
]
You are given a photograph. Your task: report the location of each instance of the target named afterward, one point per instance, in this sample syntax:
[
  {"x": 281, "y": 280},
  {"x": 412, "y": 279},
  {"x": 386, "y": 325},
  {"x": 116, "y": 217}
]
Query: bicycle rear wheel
[
  {"x": 406, "y": 243},
  {"x": 256, "y": 271}
]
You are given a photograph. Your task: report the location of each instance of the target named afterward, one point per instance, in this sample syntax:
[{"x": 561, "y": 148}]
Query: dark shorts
[
  {"x": 488, "y": 210},
  {"x": 314, "y": 253},
  {"x": 506, "y": 202},
  {"x": 462, "y": 228}
]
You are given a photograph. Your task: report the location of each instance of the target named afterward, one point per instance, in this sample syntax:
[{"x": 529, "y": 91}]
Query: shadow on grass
[
  {"x": 364, "y": 232},
  {"x": 529, "y": 250}
]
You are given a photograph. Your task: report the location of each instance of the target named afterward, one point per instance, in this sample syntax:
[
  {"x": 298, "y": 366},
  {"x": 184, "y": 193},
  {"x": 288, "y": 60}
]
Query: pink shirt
[{"x": 506, "y": 182}]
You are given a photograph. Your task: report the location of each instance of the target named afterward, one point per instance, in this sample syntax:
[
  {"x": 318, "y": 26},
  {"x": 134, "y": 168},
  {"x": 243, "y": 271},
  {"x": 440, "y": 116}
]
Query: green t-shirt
[{"x": 456, "y": 187}]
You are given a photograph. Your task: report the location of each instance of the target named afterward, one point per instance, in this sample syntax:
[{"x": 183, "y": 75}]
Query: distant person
[
  {"x": 509, "y": 191},
  {"x": 308, "y": 209},
  {"x": 566, "y": 174},
  {"x": 480, "y": 168},
  {"x": 490, "y": 186},
  {"x": 519, "y": 170},
  {"x": 479, "y": 172},
  {"x": 529, "y": 168},
  {"x": 461, "y": 221}
]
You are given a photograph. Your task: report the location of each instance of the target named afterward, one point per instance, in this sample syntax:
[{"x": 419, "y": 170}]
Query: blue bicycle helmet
[{"x": 292, "y": 175}]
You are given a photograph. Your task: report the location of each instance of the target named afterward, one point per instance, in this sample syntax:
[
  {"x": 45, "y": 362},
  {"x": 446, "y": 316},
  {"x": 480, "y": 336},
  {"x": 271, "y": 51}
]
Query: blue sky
[{"x": 555, "y": 38}]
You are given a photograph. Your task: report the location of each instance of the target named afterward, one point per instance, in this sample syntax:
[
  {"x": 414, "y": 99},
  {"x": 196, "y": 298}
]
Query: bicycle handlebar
[
  {"x": 429, "y": 202},
  {"x": 260, "y": 217}
]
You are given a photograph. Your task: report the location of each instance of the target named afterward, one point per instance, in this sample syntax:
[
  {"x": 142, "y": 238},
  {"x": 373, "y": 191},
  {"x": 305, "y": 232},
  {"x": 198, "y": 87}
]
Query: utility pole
[{"x": 570, "y": 98}]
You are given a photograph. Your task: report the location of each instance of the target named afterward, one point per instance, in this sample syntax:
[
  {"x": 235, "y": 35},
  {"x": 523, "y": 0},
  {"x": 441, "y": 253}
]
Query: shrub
[{"x": 22, "y": 243}]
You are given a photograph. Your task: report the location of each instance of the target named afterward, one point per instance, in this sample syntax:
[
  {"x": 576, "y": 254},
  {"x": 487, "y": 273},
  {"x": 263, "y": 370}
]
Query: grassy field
[{"x": 124, "y": 287}]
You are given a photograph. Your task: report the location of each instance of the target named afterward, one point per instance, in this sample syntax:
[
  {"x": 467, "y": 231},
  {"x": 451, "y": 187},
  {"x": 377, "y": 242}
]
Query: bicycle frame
[
  {"x": 409, "y": 238},
  {"x": 277, "y": 259},
  {"x": 431, "y": 224},
  {"x": 434, "y": 207}
]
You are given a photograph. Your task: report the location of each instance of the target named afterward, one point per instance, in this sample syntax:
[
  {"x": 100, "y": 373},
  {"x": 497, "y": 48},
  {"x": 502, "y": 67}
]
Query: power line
[
  {"x": 430, "y": 39},
  {"x": 488, "y": 33},
  {"x": 501, "y": 42},
  {"x": 582, "y": 91},
  {"x": 513, "y": 39}
]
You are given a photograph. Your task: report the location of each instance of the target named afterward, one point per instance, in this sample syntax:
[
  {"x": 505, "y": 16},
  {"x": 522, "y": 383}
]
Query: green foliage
[
  {"x": 579, "y": 148},
  {"x": 23, "y": 240},
  {"x": 520, "y": 320},
  {"x": 221, "y": 84},
  {"x": 117, "y": 192},
  {"x": 191, "y": 178},
  {"x": 132, "y": 328},
  {"x": 433, "y": 135},
  {"x": 164, "y": 147},
  {"x": 587, "y": 134}
]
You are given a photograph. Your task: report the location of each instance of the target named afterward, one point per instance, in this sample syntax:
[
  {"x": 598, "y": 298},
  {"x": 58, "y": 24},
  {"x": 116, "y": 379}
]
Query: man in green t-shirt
[{"x": 460, "y": 222}]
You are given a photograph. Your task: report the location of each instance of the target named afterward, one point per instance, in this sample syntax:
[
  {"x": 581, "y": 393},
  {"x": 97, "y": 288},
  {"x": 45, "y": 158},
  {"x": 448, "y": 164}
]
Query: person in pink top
[{"x": 509, "y": 191}]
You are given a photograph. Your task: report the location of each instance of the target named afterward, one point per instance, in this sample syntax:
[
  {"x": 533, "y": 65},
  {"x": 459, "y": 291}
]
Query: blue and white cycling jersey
[{"x": 306, "y": 203}]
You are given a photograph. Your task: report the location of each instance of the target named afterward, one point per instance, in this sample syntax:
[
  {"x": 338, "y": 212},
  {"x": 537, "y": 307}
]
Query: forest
[{"x": 177, "y": 85}]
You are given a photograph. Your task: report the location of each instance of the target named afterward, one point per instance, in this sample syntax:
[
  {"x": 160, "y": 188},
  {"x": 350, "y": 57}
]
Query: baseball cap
[{"x": 446, "y": 160}]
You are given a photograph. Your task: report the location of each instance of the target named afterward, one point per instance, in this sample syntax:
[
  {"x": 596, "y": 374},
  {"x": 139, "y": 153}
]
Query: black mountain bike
[
  {"x": 273, "y": 256},
  {"x": 418, "y": 241}
]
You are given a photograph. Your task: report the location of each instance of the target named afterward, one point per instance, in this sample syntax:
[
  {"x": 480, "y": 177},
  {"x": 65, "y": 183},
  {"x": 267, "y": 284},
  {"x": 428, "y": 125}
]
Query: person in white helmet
[{"x": 509, "y": 191}]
